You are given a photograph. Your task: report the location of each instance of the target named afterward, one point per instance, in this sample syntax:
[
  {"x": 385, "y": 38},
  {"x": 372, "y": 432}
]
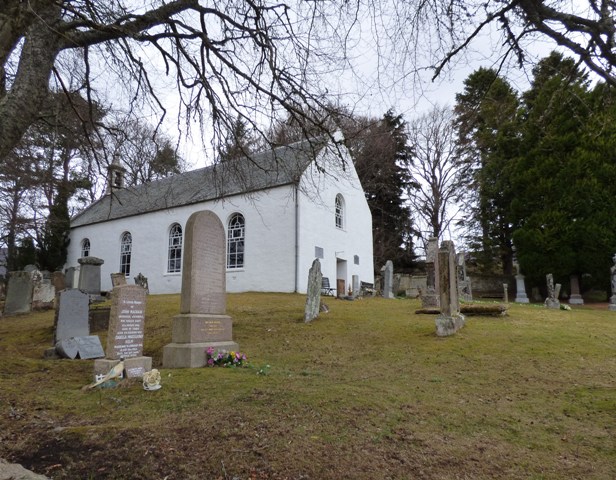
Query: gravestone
[
  {"x": 202, "y": 322},
  {"x": 552, "y": 300},
  {"x": 90, "y": 275},
  {"x": 58, "y": 281},
  {"x": 43, "y": 292},
  {"x": 430, "y": 295},
  {"x": 19, "y": 293},
  {"x": 576, "y": 297},
  {"x": 71, "y": 277},
  {"x": 464, "y": 282},
  {"x": 313, "y": 299},
  {"x": 142, "y": 281},
  {"x": 356, "y": 285},
  {"x": 126, "y": 332},
  {"x": 71, "y": 318},
  {"x": 117, "y": 279},
  {"x": 520, "y": 289},
  {"x": 388, "y": 279},
  {"x": 505, "y": 292},
  {"x": 450, "y": 320},
  {"x": 86, "y": 348},
  {"x": 612, "y": 305}
]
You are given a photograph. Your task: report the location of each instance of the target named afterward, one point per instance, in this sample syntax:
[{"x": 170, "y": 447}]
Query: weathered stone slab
[
  {"x": 552, "y": 300},
  {"x": 71, "y": 315},
  {"x": 313, "y": 298},
  {"x": 117, "y": 279},
  {"x": 520, "y": 289},
  {"x": 90, "y": 274},
  {"x": 134, "y": 367},
  {"x": 67, "y": 348},
  {"x": 43, "y": 292},
  {"x": 89, "y": 347},
  {"x": 388, "y": 279},
  {"x": 142, "y": 281},
  {"x": 58, "y": 281},
  {"x": 575, "y": 298},
  {"x": 204, "y": 265},
  {"x": 202, "y": 322},
  {"x": 198, "y": 328},
  {"x": 126, "y": 322},
  {"x": 19, "y": 293},
  {"x": 450, "y": 319}
]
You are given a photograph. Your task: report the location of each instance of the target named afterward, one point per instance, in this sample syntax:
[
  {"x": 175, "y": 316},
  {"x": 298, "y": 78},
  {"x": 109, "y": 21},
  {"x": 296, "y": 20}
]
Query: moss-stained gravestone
[
  {"x": 313, "y": 299},
  {"x": 202, "y": 322}
]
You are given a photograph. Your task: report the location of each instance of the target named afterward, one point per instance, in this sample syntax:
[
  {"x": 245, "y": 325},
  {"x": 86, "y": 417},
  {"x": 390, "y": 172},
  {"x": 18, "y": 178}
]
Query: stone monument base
[
  {"x": 192, "y": 355},
  {"x": 612, "y": 307},
  {"x": 448, "y": 325},
  {"x": 135, "y": 367},
  {"x": 200, "y": 328},
  {"x": 521, "y": 299},
  {"x": 552, "y": 304},
  {"x": 576, "y": 299}
]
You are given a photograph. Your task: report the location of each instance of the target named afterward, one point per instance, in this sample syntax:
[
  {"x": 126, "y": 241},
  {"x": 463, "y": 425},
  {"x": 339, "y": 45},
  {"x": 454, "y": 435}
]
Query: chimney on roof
[{"x": 115, "y": 175}]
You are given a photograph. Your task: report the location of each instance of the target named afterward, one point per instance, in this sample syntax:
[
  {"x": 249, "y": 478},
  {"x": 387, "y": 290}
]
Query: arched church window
[
  {"x": 126, "y": 248},
  {"x": 235, "y": 241},
  {"x": 339, "y": 211},
  {"x": 174, "y": 257},
  {"x": 85, "y": 247}
]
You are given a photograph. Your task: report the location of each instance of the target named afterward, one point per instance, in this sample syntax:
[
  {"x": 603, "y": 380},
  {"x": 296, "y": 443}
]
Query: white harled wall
[
  {"x": 271, "y": 255},
  {"x": 269, "y": 259},
  {"x": 317, "y": 200}
]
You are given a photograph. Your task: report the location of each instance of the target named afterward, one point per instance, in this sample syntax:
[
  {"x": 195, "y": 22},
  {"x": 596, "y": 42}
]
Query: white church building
[{"x": 281, "y": 209}]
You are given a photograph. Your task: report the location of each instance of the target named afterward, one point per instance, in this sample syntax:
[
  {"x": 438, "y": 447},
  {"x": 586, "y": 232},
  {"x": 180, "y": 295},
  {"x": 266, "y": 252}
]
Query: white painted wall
[
  {"x": 271, "y": 255},
  {"x": 317, "y": 200},
  {"x": 269, "y": 247}
]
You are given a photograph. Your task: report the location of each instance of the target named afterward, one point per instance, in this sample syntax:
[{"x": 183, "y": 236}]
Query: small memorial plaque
[{"x": 126, "y": 322}]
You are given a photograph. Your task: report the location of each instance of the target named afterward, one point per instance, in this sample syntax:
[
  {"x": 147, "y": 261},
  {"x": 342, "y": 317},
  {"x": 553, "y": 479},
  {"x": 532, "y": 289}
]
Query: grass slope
[{"x": 367, "y": 391}]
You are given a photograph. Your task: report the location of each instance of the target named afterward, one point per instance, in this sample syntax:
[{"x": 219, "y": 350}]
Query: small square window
[
  {"x": 318, "y": 252},
  {"x": 356, "y": 259}
]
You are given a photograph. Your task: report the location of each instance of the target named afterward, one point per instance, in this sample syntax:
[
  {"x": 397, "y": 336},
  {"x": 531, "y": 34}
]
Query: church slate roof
[{"x": 272, "y": 168}]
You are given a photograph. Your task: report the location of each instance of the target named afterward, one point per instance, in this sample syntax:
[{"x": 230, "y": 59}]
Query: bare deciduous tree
[
  {"x": 246, "y": 59},
  {"x": 436, "y": 171}
]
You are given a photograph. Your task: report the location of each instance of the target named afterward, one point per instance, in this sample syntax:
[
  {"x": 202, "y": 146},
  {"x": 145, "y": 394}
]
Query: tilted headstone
[
  {"x": 430, "y": 296},
  {"x": 612, "y": 305},
  {"x": 142, "y": 281},
  {"x": 202, "y": 322},
  {"x": 71, "y": 315},
  {"x": 117, "y": 279},
  {"x": 388, "y": 279},
  {"x": 450, "y": 320},
  {"x": 552, "y": 300},
  {"x": 86, "y": 348},
  {"x": 313, "y": 298},
  {"x": 576, "y": 297},
  {"x": 19, "y": 293},
  {"x": 126, "y": 332},
  {"x": 505, "y": 293},
  {"x": 90, "y": 274}
]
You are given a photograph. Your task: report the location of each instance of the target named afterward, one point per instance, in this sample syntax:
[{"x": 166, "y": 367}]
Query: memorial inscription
[{"x": 126, "y": 322}]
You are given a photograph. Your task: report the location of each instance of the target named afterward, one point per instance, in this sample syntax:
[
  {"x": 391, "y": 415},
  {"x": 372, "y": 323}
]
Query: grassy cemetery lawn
[{"x": 367, "y": 391}]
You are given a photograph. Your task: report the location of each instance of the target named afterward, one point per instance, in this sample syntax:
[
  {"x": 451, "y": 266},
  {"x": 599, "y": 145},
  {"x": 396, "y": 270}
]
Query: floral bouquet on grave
[{"x": 225, "y": 359}]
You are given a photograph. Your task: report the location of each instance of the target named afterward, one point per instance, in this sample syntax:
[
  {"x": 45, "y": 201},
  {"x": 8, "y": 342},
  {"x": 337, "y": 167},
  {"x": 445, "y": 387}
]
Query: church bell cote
[{"x": 115, "y": 175}]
